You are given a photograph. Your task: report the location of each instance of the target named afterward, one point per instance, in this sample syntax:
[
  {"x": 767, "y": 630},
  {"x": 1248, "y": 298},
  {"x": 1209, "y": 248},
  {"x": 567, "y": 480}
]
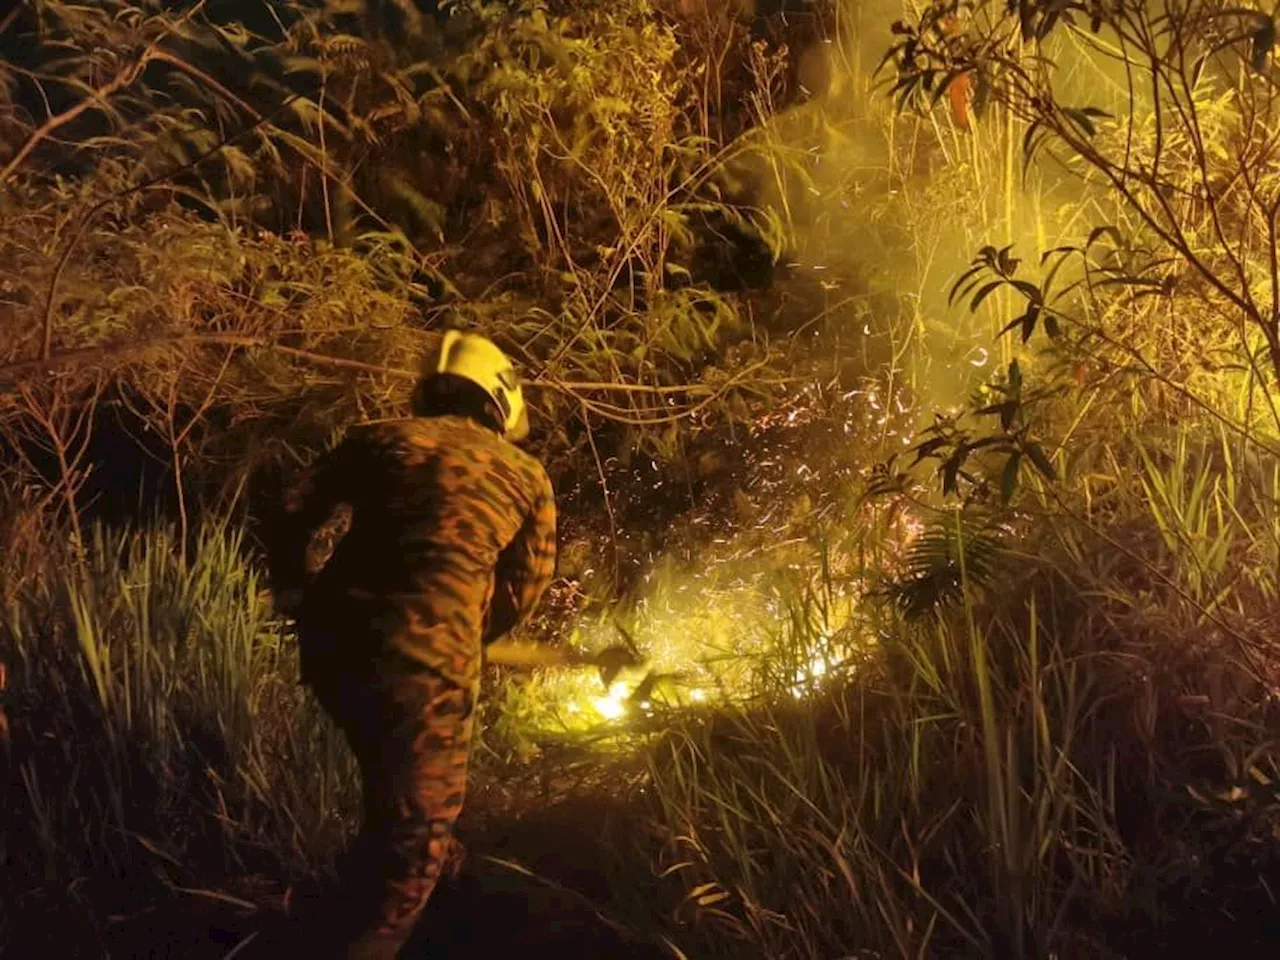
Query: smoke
[{"x": 885, "y": 211}]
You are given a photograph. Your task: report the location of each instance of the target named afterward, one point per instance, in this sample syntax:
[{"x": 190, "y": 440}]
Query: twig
[
  {"x": 122, "y": 78},
  {"x": 11, "y": 16},
  {"x": 218, "y": 895},
  {"x": 84, "y": 356},
  {"x": 241, "y": 946},
  {"x": 604, "y": 490},
  {"x": 582, "y": 898},
  {"x": 322, "y": 167},
  {"x": 604, "y": 385}
]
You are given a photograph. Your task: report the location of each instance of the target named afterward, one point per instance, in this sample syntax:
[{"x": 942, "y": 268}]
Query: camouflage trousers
[{"x": 410, "y": 731}]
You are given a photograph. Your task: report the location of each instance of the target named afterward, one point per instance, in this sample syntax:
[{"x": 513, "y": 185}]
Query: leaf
[
  {"x": 1008, "y": 410},
  {"x": 1029, "y": 322},
  {"x": 932, "y": 577},
  {"x": 982, "y": 91},
  {"x": 1026, "y": 20},
  {"x": 1063, "y": 253},
  {"x": 1029, "y": 140},
  {"x": 428, "y": 212},
  {"x": 1051, "y": 326},
  {"x": 949, "y": 471},
  {"x": 1106, "y": 230},
  {"x": 1080, "y": 119},
  {"x": 302, "y": 65},
  {"x": 891, "y": 55},
  {"x": 1028, "y": 290},
  {"x": 1041, "y": 462},
  {"x": 1197, "y": 70},
  {"x": 1047, "y": 24},
  {"x": 968, "y": 280},
  {"x": 240, "y": 166},
  {"x": 1264, "y": 41},
  {"x": 908, "y": 91},
  {"x": 702, "y": 890},
  {"x": 928, "y": 447},
  {"x": 1005, "y": 410},
  {"x": 983, "y": 293},
  {"x": 944, "y": 86},
  {"x": 1009, "y": 477}
]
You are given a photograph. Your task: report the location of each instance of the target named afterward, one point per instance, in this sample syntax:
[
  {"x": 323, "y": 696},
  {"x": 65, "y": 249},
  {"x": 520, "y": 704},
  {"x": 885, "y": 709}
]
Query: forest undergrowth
[{"x": 916, "y": 421}]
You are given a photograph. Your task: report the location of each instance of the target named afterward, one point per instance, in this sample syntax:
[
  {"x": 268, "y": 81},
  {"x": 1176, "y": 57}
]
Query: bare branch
[
  {"x": 11, "y": 16},
  {"x": 124, "y": 77},
  {"x": 19, "y": 371}
]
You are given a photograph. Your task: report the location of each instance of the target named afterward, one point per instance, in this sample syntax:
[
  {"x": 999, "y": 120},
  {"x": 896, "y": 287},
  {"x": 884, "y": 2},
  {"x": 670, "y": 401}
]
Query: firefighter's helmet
[{"x": 479, "y": 360}]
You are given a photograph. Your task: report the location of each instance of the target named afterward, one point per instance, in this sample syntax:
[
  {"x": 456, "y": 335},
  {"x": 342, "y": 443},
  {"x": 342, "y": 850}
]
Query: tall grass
[
  {"x": 1055, "y": 765},
  {"x": 158, "y": 727},
  {"x": 911, "y": 817},
  {"x": 1056, "y": 770}
]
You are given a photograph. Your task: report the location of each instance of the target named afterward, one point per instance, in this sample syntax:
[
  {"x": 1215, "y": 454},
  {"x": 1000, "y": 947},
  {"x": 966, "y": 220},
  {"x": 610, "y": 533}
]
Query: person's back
[{"x": 439, "y": 505}]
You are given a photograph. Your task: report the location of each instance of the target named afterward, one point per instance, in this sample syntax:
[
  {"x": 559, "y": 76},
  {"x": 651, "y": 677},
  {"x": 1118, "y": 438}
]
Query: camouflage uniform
[{"x": 451, "y": 544}]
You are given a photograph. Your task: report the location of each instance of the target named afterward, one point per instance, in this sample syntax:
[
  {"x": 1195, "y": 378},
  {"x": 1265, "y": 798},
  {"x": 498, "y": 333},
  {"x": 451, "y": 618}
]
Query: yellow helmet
[{"x": 478, "y": 359}]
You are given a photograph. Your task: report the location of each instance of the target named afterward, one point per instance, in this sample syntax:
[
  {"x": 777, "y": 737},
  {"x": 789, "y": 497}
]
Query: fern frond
[{"x": 955, "y": 554}]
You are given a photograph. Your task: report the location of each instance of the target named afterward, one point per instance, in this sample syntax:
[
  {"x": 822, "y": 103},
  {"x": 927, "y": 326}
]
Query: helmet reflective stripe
[{"x": 479, "y": 360}]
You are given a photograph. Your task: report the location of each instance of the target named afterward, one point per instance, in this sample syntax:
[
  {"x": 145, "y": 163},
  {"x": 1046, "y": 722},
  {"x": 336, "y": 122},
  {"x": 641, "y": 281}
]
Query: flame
[
  {"x": 613, "y": 704},
  {"x": 810, "y": 676}
]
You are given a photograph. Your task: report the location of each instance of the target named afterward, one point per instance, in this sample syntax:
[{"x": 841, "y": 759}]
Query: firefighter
[{"x": 451, "y": 543}]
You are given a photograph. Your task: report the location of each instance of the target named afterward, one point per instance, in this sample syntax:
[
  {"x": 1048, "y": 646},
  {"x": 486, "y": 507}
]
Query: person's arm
[
  {"x": 525, "y": 568},
  {"x": 509, "y": 653},
  {"x": 307, "y": 504},
  {"x": 610, "y": 661},
  {"x": 524, "y": 571}
]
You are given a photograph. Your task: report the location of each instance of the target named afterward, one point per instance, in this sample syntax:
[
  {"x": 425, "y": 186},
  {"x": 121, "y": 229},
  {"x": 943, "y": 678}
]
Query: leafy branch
[{"x": 1212, "y": 206}]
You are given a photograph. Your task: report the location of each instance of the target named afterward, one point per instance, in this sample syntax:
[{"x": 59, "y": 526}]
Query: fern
[{"x": 956, "y": 554}]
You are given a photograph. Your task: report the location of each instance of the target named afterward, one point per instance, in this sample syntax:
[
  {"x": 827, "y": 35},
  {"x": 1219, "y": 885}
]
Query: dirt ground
[
  {"x": 485, "y": 913},
  {"x": 563, "y": 909}
]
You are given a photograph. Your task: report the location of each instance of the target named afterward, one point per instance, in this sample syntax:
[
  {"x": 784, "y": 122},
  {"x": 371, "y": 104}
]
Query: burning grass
[{"x": 712, "y": 635}]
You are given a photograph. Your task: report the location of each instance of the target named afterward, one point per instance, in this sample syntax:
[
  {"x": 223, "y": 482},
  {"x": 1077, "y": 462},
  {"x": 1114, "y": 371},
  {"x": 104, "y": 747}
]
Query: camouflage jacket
[{"x": 451, "y": 541}]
